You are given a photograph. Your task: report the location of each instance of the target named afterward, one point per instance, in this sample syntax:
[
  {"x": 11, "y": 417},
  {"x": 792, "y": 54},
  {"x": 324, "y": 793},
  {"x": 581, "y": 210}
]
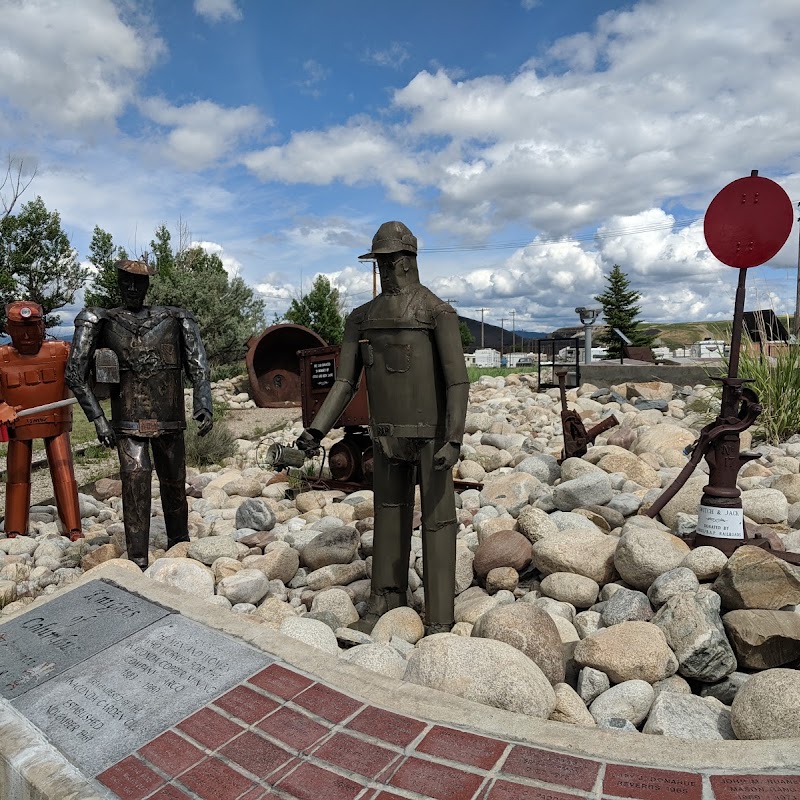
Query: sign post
[{"x": 746, "y": 224}]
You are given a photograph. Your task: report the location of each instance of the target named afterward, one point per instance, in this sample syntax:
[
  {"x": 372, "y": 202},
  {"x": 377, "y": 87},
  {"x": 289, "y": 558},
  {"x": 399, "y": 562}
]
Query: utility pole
[
  {"x": 502, "y": 331},
  {"x": 796, "y": 325},
  {"x": 513, "y": 332},
  {"x": 481, "y": 310}
]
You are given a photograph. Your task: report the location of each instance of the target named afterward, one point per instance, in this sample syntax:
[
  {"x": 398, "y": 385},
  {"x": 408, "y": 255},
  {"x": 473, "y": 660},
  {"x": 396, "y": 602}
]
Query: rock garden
[{"x": 571, "y": 604}]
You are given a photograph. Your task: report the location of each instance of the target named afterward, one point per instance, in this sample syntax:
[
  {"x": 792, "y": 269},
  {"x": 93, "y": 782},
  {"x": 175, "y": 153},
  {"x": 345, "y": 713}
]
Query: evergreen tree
[
  {"x": 320, "y": 310},
  {"x": 620, "y": 310},
  {"x": 227, "y": 310},
  {"x": 161, "y": 255},
  {"x": 104, "y": 290},
  {"x": 467, "y": 339},
  {"x": 37, "y": 260}
]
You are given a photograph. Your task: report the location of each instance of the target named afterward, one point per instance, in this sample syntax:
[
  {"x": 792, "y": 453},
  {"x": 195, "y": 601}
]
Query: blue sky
[{"x": 529, "y": 145}]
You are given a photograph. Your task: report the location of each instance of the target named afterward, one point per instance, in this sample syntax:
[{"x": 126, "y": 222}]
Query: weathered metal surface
[
  {"x": 318, "y": 369},
  {"x": 576, "y": 438},
  {"x": 273, "y": 364},
  {"x": 748, "y": 222}
]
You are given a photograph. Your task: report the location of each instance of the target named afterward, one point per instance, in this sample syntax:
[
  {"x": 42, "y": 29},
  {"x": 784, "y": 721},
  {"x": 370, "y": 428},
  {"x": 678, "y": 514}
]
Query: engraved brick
[
  {"x": 256, "y": 754},
  {"x": 756, "y": 787},
  {"x": 278, "y": 680},
  {"x": 468, "y": 748},
  {"x": 169, "y": 792},
  {"x": 327, "y": 703},
  {"x": 130, "y": 779},
  {"x": 293, "y": 728},
  {"x": 309, "y": 782},
  {"x": 505, "y": 790},
  {"x": 435, "y": 780},
  {"x": 643, "y": 783},
  {"x": 246, "y": 704},
  {"x": 551, "y": 767},
  {"x": 210, "y": 728},
  {"x": 355, "y": 755},
  {"x": 171, "y": 754},
  {"x": 213, "y": 780},
  {"x": 386, "y": 725}
]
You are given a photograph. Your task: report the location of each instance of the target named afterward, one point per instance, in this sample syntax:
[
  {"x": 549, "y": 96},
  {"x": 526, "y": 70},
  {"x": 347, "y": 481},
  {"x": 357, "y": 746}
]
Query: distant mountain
[{"x": 492, "y": 333}]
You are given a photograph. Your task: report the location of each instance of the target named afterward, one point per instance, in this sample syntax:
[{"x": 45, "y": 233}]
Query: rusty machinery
[
  {"x": 350, "y": 458},
  {"x": 576, "y": 438},
  {"x": 746, "y": 224}
]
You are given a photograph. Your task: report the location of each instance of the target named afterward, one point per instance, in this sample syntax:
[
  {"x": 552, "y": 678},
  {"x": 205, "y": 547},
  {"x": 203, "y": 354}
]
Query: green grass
[
  {"x": 776, "y": 381},
  {"x": 82, "y": 430}
]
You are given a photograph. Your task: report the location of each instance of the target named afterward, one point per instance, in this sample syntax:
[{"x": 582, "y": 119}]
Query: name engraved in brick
[
  {"x": 651, "y": 784},
  {"x": 756, "y": 787},
  {"x": 98, "y": 712},
  {"x": 45, "y": 641}
]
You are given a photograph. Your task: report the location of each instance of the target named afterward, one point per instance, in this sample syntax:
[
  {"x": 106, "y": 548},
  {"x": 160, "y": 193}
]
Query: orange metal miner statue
[{"x": 32, "y": 375}]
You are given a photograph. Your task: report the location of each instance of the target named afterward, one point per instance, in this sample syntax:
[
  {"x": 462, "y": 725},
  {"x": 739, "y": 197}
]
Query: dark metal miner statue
[
  {"x": 408, "y": 342},
  {"x": 142, "y": 352}
]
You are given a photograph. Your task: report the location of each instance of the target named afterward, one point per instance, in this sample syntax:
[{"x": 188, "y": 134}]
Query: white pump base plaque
[{"x": 720, "y": 523}]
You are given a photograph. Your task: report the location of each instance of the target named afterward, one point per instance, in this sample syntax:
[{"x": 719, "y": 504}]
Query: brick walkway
[{"x": 283, "y": 734}]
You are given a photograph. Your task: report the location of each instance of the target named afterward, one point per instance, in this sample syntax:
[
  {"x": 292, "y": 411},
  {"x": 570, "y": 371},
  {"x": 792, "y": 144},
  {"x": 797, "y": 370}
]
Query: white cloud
[
  {"x": 217, "y": 10},
  {"x": 394, "y": 56},
  {"x": 202, "y": 132},
  {"x": 232, "y": 264},
  {"x": 358, "y": 153},
  {"x": 71, "y": 71},
  {"x": 314, "y": 74}
]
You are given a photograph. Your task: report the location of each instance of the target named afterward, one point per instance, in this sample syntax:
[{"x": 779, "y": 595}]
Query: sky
[{"x": 530, "y": 145}]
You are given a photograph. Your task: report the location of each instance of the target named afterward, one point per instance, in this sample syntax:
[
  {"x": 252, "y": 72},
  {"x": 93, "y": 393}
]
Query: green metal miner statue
[{"x": 408, "y": 342}]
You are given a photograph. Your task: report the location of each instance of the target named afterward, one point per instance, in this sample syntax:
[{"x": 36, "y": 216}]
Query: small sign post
[{"x": 746, "y": 224}]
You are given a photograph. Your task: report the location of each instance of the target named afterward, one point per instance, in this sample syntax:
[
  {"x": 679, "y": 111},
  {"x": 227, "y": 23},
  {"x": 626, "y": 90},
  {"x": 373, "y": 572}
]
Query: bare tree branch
[{"x": 13, "y": 185}]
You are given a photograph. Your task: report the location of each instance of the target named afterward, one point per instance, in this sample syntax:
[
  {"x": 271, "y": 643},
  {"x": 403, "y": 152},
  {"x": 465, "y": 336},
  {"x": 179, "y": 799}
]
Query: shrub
[
  {"x": 776, "y": 381},
  {"x": 218, "y": 444}
]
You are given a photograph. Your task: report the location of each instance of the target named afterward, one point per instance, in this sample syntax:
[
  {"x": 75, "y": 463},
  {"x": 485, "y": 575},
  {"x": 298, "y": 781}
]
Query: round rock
[
  {"x": 578, "y": 590},
  {"x": 768, "y": 706},
  {"x": 404, "y": 623},
  {"x": 644, "y": 553},
  {"x": 502, "y": 549},
  {"x": 483, "y": 670},
  {"x": 528, "y": 629},
  {"x": 183, "y": 573}
]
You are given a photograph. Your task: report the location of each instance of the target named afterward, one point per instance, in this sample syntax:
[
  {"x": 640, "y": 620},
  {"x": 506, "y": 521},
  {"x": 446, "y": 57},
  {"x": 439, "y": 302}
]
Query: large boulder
[
  {"x": 377, "y": 657},
  {"x": 628, "y": 651},
  {"x": 691, "y": 624},
  {"x": 244, "y": 586},
  {"x": 528, "y": 629},
  {"x": 687, "y": 716},
  {"x": 765, "y": 506},
  {"x": 754, "y": 578},
  {"x": 629, "y": 700},
  {"x": 483, "y": 670},
  {"x": 183, "y": 573},
  {"x": 763, "y": 639},
  {"x": 662, "y": 437},
  {"x": 255, "y": 514},
  {"x": 591, "y": 488},
  {"x": 510, "y": 491},
  {"x": 337, "y": 546},
  {"x": 632, "y": 467},
  {"x": 768, "y": 706},
  {"x": 502, "y": 549},
  {"x": 644, "y": 553},
  {"x": 585, "y": 552},
  {"x": 402, "y": 623},
  {"x": 578, "y": 590}
]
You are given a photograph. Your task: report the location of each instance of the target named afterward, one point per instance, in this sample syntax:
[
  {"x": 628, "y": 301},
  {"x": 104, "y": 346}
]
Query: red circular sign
[{"x": 748, "y": 222}]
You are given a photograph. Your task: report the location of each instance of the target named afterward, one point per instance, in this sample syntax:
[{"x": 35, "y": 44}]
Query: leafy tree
[
  {"x": 320, "y": 310},
  {"x": 38, "y": 261},
  {"x": 620, "y": 310},
  {"x": 104, "y": 290},
  {"x": 467, "y": 339},
  {"x": 227, "y": 310}
]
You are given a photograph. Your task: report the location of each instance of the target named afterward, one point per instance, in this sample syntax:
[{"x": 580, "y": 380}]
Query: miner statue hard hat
[
  {"x": 392, "y": 237},
  {"x": 134, "y": 267}
]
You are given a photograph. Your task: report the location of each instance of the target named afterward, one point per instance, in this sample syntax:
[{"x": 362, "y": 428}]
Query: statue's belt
[
  {"x": 413, "y": 431},
  {"x": 148, "y": 426}
]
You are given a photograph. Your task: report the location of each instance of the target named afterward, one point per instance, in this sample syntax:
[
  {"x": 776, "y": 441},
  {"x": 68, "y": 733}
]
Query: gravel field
[{"x": 243, "y": 422}]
